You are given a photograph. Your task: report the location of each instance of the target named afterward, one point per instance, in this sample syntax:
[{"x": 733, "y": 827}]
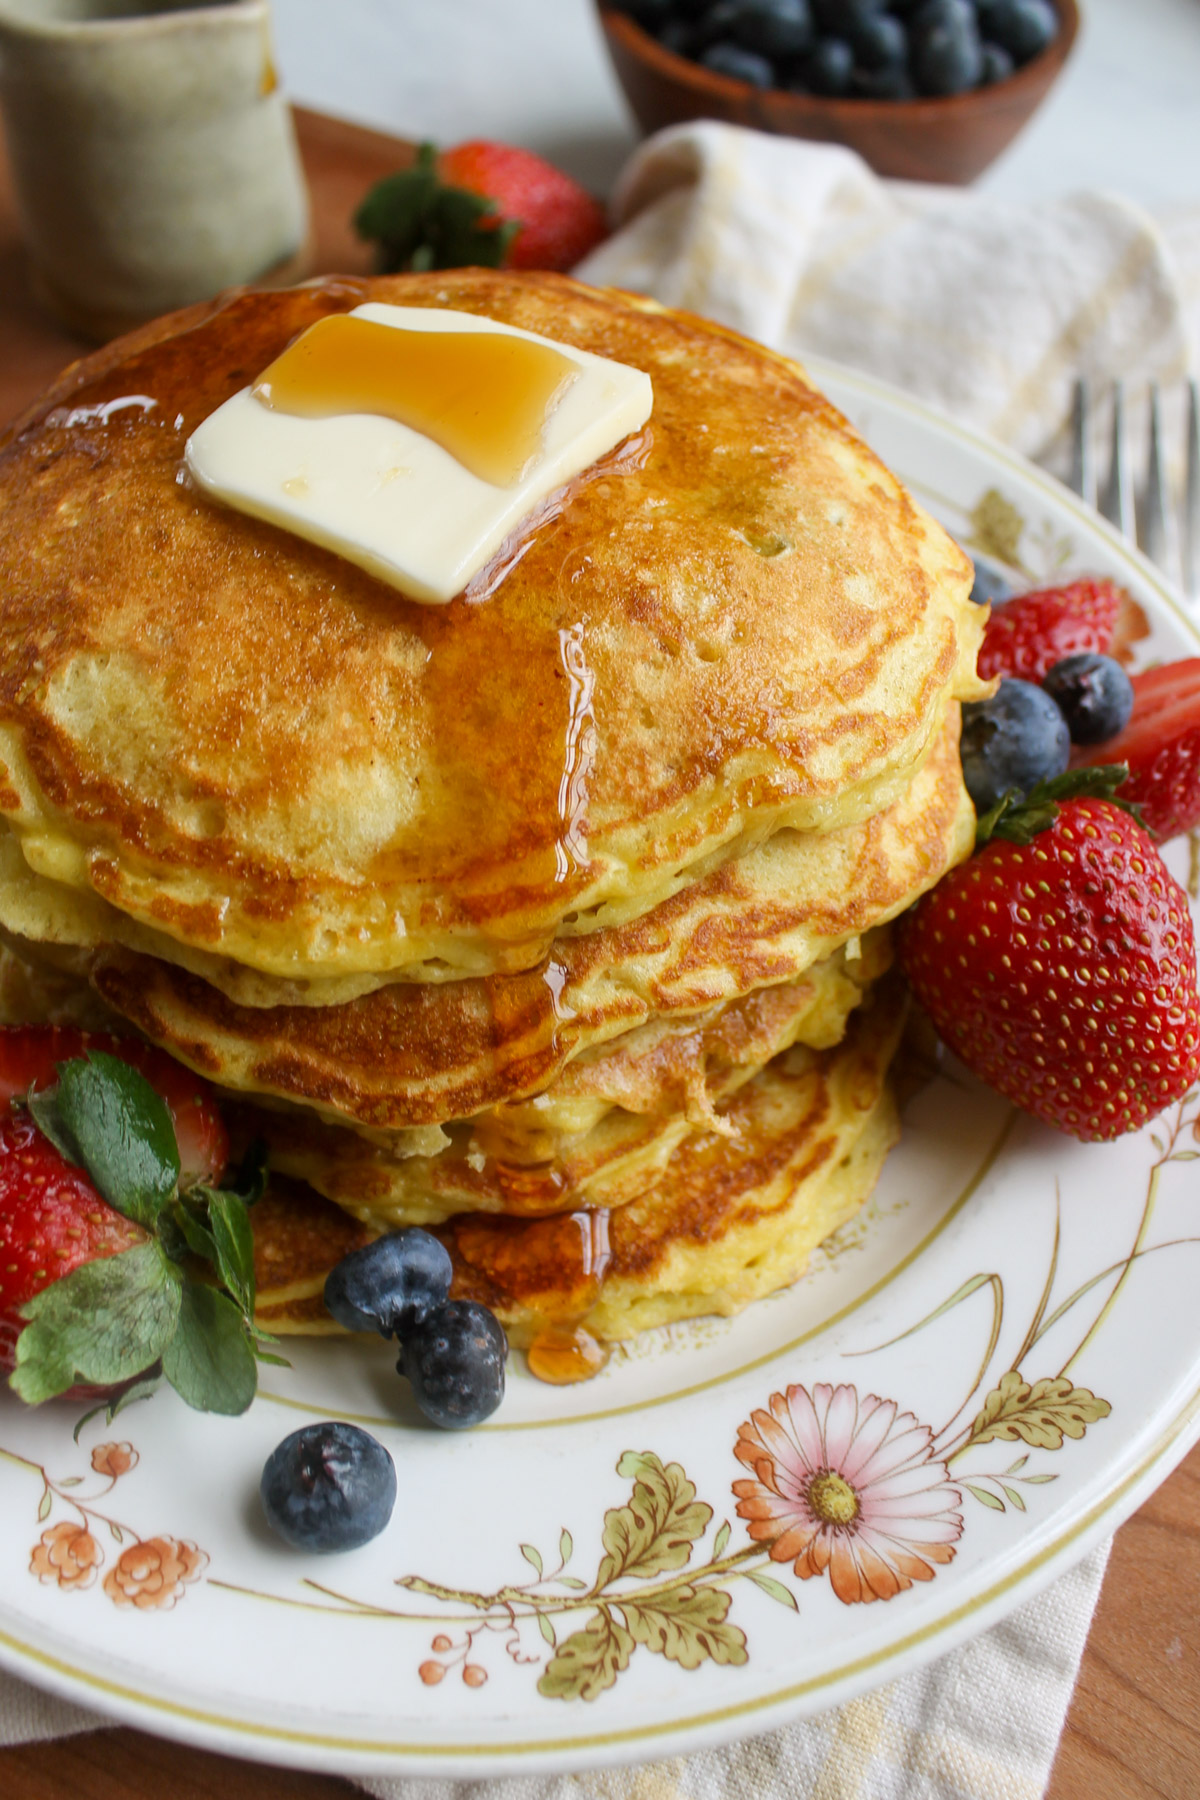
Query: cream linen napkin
[
  {"x": 986, "y": 308},
  {"x": 989, "y": 310}
]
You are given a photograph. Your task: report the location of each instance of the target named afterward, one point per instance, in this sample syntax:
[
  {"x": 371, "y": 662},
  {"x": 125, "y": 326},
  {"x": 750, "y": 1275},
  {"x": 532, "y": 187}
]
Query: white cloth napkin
[
  {"x": 986, "y": 308},
  {"x": 989, "y": 310}
]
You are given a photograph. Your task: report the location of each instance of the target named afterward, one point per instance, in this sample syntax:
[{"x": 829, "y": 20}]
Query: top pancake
[{"x": 256, "y": 748}]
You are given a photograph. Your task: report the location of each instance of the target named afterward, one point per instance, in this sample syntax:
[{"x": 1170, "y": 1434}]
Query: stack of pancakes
[{"x": 553, "y": 919}]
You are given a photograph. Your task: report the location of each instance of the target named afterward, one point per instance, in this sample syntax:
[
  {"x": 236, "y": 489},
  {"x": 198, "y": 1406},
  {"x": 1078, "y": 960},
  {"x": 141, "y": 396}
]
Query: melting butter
[
  {"x": 412, "y": 441},
  {"x": 482, "y": 395}
]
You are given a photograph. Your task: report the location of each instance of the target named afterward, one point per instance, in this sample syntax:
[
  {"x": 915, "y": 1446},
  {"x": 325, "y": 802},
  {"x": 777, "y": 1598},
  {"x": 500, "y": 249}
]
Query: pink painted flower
[{"x": 847, "y": 1485}]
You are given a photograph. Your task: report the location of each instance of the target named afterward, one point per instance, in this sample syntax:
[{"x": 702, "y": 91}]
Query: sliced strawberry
[
  {"x": 1161, "y": 744},
  {"x": 29, "y": 1055},
  {"x": 1028, "y": 635},
  {"x": 52, "y": 1220}
]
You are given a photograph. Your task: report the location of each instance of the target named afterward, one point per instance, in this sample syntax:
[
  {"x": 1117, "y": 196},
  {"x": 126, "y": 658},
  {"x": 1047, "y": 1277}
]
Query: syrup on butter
[{"x": 416, "y": 452}]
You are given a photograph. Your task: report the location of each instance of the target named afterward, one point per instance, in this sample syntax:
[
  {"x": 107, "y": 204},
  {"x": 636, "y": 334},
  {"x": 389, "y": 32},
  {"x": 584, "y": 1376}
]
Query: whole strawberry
[
  {"x": 1062, "y": 970},
  {"x": 108, "y": 1214},
  {"x": 480, "y": 204},
  {"x": 52, "y": 1220},
  {"x": 1161, "y": 747},
  {"x": 1028, "y": 635}
]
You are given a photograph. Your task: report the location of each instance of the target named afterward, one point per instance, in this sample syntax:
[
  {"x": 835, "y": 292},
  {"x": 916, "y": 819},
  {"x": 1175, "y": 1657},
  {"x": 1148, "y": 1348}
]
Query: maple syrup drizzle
[
  {"x": 561, "y": 1354},
  {"x": 484, "y": 396}
]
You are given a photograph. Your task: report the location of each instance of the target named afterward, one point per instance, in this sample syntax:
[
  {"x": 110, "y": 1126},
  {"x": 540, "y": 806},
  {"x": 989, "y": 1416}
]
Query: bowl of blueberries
[{"x": 924, "y": 90}]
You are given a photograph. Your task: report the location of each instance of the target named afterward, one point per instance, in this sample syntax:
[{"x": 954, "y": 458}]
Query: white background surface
[{"x": 1125, "y": 114}]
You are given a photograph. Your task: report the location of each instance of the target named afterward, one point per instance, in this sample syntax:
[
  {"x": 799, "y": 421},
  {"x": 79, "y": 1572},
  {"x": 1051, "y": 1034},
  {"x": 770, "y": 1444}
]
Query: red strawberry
[
  {"x": 1063, "y": 971},
  {"x": 480, "y": 204},
  {"x": 1028, "y": 635},
  {"x": 1161, "y": 745},
  {"x": 52, "y": 1220},
  {"x": 29, "y": 1055},
  {"x": 559, "y": 221}
]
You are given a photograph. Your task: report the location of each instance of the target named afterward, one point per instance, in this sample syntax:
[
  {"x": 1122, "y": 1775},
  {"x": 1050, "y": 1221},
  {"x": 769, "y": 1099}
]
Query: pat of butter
[{"x": 390, "y": 498}]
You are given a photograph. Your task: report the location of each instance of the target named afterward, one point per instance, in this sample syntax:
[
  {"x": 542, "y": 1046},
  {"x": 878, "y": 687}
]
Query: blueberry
[
  {"x": 837, "y": 17},
  {"x": 1093, "y": 694},
  {"x": 678, "y": 37},
  {"x": 884, "y": 84},
  {"x": 998, "y": 65},
  {"x": 774, "y": 28},
  {"x": 389, "y": 1285},
  {"x": 879, "y": 42},
  {"x": 1022, "y": 27},
  {"x": 651, "y": 15},
  {"x": 947, "y": 55},
  {"x": 455, "y": 1361},
  {"x": 716, "y": 26},
  {"x": 989, "y": 587},
  {"x": 1014, "y": 740},
  {"x": 829, "y": 67},
  {"x": 328, "y": 1487},
  {"x": 739, "y": 65}
]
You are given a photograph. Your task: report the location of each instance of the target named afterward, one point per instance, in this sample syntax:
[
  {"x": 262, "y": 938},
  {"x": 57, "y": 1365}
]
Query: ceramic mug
[{"x": 153, "y": 155}]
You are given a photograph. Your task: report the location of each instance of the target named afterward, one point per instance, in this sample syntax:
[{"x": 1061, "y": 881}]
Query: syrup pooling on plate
[{"x": 482, "y": 396}]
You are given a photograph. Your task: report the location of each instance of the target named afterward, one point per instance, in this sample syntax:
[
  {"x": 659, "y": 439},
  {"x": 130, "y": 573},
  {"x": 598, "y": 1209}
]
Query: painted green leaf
[
  {"x": 573, "y": 1581},
  {"x": 775, "y": 1589},
  {"x": 983, "y": 1495},
  {"x": 566, "y": 1549},
  {"x": 1041, "y": 1414},
  {"x": 655, "y": 1532},
  {"x": 997, "y": 528},
  {"x": 1014, "y": 1498},
  {"x": 546, "y": 1629},
  {"x": 687, "y": 1626},
  {"x": 720, "y": 1541},
  {"x": 532, "y": 1556},
  {"x": 589, "y": 1661},
  {"x": 44, "y": 1505}
]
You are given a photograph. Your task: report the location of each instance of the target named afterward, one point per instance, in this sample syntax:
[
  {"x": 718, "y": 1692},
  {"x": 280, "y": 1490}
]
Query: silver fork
[{"x": 1146, "y": 524}]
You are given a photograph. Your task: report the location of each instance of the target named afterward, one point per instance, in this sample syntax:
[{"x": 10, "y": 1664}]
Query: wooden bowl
[{"x": 951, "y": 140}]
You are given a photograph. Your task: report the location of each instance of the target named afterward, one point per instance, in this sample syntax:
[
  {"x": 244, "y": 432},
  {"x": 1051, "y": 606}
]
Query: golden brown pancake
[
  {"x": 732, "y": 1217},
  {"x": 600, "y": 1135},
  {"x": 417, "y": 1054},
  {"x": 250, "y": 745}
]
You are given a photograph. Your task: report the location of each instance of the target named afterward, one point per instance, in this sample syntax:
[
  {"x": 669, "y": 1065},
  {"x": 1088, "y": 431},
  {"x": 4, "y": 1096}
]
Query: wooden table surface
[{"x": 1133, "y": 1731}]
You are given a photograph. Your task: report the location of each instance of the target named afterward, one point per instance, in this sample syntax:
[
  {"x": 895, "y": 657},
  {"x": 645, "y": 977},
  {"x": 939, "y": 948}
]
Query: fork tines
[{"x": 1147, "y": 523}]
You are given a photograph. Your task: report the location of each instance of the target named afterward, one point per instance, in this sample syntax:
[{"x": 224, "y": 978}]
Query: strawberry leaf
[
  {"x": 180, "y": 1230},
  {"x": 105, "y": 1322},
  {"x": 234, "y": 1244},
  {"x": 43, "y": 1107},
  {"x": 417, "y": 223},
  {"x": 123, "y": 1131},
  {"x": 250, "y": 1182},
  {"x": 138, "y": 1390},
  {"x": 1019, "y": 819},
  {"x": 208, "y": 1360}
]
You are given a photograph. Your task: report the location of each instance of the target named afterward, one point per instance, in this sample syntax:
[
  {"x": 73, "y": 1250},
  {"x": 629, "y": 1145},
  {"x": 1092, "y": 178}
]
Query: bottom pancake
[{"x": 733, "y": 1217}]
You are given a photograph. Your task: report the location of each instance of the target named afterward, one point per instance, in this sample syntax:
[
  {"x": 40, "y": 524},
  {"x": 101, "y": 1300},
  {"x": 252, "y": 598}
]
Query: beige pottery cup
[{"x": 153, "y": 154}]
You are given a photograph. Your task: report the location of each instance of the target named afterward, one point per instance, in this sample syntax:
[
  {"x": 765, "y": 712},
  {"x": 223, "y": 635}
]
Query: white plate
[{"x": 1028, "y": 1300}]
